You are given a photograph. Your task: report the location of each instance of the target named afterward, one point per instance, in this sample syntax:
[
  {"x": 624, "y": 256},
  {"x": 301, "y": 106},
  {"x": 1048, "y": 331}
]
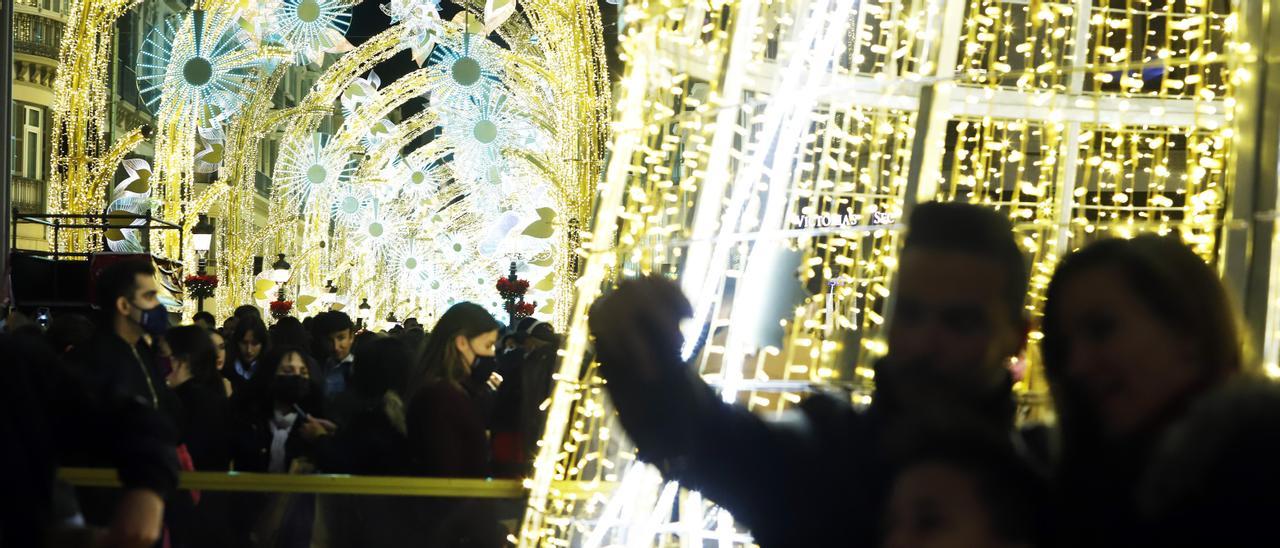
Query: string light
[{"x": 1077, "y": 125}]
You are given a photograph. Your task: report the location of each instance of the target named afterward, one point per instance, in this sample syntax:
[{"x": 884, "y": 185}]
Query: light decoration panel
[
  {"x": 1075, "y": 119},
  {"x": 197, "y": 68},
  {"x": 311, "y": 28},
  {"x": 310, "y": 172}
]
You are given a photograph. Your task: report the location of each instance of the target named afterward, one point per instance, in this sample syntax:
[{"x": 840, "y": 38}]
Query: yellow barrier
[{"x": 339, "y": 484}]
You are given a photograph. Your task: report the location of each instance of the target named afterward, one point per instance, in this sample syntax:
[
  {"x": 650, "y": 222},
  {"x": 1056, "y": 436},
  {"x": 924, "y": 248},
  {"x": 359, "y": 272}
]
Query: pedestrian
[
  {"x": 247, "y": 345},
  {"x": 204, "y": 320},
  {"x": 336, "y": 334},
  {"x": 446, "y": 429},
  {"x": 446, "y": 423}
]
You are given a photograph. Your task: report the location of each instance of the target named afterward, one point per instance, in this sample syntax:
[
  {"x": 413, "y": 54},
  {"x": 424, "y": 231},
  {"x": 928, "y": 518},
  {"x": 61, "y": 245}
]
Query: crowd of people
[
  {"x": 1165, "y": 434},
  {"x": 319, "y": 395}
]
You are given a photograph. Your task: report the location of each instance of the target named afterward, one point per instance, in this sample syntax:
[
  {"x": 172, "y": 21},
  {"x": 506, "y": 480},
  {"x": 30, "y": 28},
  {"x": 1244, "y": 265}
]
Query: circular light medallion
[
  {"x": 197, "y": 71},
  {"x": 375, "y": 229},
  {"x": 350, "y": 205},
  {"x": 485, "y": 131},
  {"x": 411, "y": 263},
  {"x": 308, "y": 11},
  {"x": 317, "y": 174},
  {"x": 418, "y": 177},
  {"x": 466, "y": 71}
]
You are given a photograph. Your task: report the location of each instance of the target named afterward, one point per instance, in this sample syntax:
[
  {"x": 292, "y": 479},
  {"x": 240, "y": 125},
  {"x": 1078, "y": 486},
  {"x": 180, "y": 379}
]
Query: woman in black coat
[
  {"x": 1165, "y": 440},
  {"x": 199, "y": 519},
  {"x": 204, "y": 422},
  {"x": 278, "y": 430}
]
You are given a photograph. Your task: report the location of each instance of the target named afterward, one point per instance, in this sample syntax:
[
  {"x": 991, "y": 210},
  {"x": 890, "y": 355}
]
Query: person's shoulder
[{"x": 1218, "y": 461}]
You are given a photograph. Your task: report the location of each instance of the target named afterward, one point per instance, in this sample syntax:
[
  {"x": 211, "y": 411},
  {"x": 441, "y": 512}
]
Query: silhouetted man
[{"x": 818, "y": 477}]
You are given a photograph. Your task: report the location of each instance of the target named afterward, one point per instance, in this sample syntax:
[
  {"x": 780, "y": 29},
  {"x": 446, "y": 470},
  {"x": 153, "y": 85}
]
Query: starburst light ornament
[
  {"x": 468, "y": 63},
  {"x": 351, "y": 204},
  {"x": 481, "y": 128},
  {"x": 312, "y": 28},
  {"x": 422, "y": 17},
  {"x": 197, "y": 68},
  {"x": 311, "y": 168},
  {"x": 378, "y": 230}
]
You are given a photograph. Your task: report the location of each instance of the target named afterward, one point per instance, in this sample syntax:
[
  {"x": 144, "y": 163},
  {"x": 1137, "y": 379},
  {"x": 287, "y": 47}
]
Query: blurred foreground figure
[
  {"x": 50, "y": 417},
  {"x": 820, "y": 478},
  {"x": 1166, "y": 441}
]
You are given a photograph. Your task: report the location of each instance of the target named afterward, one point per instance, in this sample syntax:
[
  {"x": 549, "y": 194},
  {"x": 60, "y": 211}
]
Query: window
[{"x": 30, "y": 144}]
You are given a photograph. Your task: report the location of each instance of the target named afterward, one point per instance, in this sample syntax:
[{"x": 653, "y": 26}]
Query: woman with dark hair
[
  {"x": 446, "y": 430},
  {"x": 204, "y": 427},
  {"x": 278, "y": 413},
  {"x": 204, "y": 421},
  {"x": 446, "y": 427},
  {"x": 1159, "y": 445},
  {"x": 278, "y": 431},
  {"x": 247, "y": 343}
]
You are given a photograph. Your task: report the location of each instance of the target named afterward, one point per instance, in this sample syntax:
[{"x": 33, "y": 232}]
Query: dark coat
[
  {"x": 816, "y": 478},
  {"x": 204, "y": 421},
  {"x": 371, "y": 438},
  {"x": 446, "y": 432},
  {"x": 1209, "y": 478},
  {"x": 114, "y": 370},
  {"x": 51, "y": 416}
]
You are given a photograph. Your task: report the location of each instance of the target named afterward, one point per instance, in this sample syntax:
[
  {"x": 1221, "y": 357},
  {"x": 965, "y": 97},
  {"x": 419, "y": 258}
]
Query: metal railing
[
  {"x": 28, "y": 194},
  {"x": 343, "y": 484}
]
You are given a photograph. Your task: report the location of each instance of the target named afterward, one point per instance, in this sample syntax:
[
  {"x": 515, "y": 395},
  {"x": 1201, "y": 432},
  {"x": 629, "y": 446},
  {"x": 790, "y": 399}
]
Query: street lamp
[
  {"x": 202, "y": 239},
  {"x": 364, "y": 312},
  {"x": 280, "y": 273},
  {"x": 330, "y": 295}
]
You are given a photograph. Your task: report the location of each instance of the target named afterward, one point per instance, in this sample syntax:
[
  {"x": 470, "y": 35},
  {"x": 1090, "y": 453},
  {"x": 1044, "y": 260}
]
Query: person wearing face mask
[
  {"x": 280, "y": 414},
  {"x": 446, "y": 428},
  {"x": 278, "y": 430},
  {"x": 1166, "y": 437},
  {"x": 117, "y": 365}
]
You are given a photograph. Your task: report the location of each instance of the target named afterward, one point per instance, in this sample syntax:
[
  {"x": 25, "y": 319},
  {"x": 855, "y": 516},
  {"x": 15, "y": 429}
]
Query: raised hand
[{"x": 637, "y": 327}]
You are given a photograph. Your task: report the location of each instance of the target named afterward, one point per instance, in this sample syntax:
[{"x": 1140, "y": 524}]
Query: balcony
[
  {"x": 36, "y": 35},
  {"x": 28, "y": 195}
]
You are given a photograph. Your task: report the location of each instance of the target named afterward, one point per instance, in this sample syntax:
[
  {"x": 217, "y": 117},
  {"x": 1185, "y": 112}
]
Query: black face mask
[{"x": 290, "y": 389}]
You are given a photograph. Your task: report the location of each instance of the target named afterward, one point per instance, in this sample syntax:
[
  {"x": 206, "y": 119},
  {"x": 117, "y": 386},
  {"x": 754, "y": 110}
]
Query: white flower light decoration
[
  {"x": 351, "y": 204},
  {"x": 469, "y": 63},
  {"x": 480, "y": 128},
  {"x": 312, "y": 28},
  {"x": 197, "y": 68},
  {"x": 310, "y": 168},
  {"x": 411, "y": 260},
  {"x": 378, "y": 230},
  {"x": 423, "y": 19},
  {"x": 423, "y": 182}
]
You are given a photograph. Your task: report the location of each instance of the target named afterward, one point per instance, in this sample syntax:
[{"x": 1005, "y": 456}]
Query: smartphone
[{"x": 42, "y": 317}]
